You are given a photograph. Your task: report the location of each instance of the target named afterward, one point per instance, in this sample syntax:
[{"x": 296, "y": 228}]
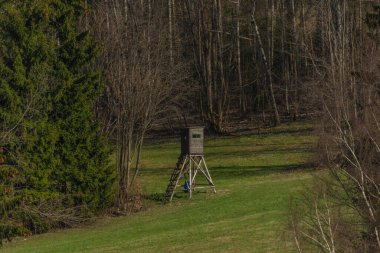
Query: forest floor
[{"x": 256, "y": 176}]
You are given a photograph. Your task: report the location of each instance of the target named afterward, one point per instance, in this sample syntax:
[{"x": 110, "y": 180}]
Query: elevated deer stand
[{"x": 190, "y": 163}]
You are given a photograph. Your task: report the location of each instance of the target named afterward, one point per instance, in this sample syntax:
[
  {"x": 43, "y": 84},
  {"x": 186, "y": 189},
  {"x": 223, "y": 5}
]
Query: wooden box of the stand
[{"x": 192, "y": 141}]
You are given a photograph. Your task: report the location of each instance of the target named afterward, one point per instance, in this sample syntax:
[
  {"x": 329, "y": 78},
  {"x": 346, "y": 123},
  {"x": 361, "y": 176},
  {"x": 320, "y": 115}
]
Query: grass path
[{"x": 255, "y": 177}]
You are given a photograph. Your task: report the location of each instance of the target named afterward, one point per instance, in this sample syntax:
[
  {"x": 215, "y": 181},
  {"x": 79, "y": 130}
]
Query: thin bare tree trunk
[
  {"x": 294, "y": 58},
  {"x": 223, "y": 89},
  {"x": 170, "y": 5},
  {"x": 268, "y": 69},
  {"x": 242, "y": 102}
]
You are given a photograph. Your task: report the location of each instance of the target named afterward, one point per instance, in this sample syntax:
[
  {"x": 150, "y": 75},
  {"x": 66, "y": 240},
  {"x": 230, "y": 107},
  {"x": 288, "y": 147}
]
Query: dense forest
[{"x": 81, "y": 80}]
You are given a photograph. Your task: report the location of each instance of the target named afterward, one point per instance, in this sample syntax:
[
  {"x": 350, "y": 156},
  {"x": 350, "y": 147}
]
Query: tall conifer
[
  {"x": 50, "y": 146},
  {"x": 84, "y": 172}
]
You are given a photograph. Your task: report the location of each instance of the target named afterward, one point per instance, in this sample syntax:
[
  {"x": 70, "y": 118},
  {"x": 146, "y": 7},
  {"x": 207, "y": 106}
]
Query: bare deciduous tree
[
  {"x": 349, "y": 141},
  {"x": 142, "y": 80}
]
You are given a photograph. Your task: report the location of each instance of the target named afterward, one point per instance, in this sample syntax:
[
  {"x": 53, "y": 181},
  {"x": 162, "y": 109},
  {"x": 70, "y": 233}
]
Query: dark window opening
[{"x": 196, "y": 136}]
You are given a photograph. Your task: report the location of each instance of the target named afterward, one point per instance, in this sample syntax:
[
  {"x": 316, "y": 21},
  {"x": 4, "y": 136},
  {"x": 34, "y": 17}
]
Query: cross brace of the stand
[{"x": 189, "y": 166}]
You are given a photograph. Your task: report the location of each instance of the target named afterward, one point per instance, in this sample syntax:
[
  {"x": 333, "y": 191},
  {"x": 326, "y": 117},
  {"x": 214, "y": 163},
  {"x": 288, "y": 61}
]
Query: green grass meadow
[{"x": 256, "y": 176}]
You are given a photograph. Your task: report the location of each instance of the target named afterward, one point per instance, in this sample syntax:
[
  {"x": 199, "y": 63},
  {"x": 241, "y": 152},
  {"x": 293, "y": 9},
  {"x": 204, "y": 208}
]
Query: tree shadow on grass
[
  {"x": 229, "y": 172},
  {"x": 265, "y": 151},
  {"x": 266, "y": 131},
  {"x": 222, "y": 172},
  {"x": 241, "y": 171},
  {"x": 298, "y": 131}
]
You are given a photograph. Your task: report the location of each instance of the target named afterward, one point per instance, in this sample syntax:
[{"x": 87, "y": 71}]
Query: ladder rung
[{"x": 174, "y": 177}]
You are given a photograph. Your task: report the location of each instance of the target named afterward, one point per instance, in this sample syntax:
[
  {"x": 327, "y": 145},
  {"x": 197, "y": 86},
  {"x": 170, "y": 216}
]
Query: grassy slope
[{"x": 255, "y": 177}]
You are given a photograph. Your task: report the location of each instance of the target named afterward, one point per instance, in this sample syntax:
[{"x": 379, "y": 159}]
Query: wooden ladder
[{"x": 176, "y": 174}]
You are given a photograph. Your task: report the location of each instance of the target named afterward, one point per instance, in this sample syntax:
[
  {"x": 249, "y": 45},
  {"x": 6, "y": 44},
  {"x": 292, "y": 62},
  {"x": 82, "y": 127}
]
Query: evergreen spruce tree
[
  {"x": 27, "y": 137},
  {"x": 51, "y": 149},
  {"x": 84, "y": 174}
]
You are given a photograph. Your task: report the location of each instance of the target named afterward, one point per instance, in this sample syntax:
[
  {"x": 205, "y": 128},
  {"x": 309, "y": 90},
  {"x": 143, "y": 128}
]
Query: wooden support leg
[
  {"x": 190, "y": 178},
  {"x": 208, "y": 176}
]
